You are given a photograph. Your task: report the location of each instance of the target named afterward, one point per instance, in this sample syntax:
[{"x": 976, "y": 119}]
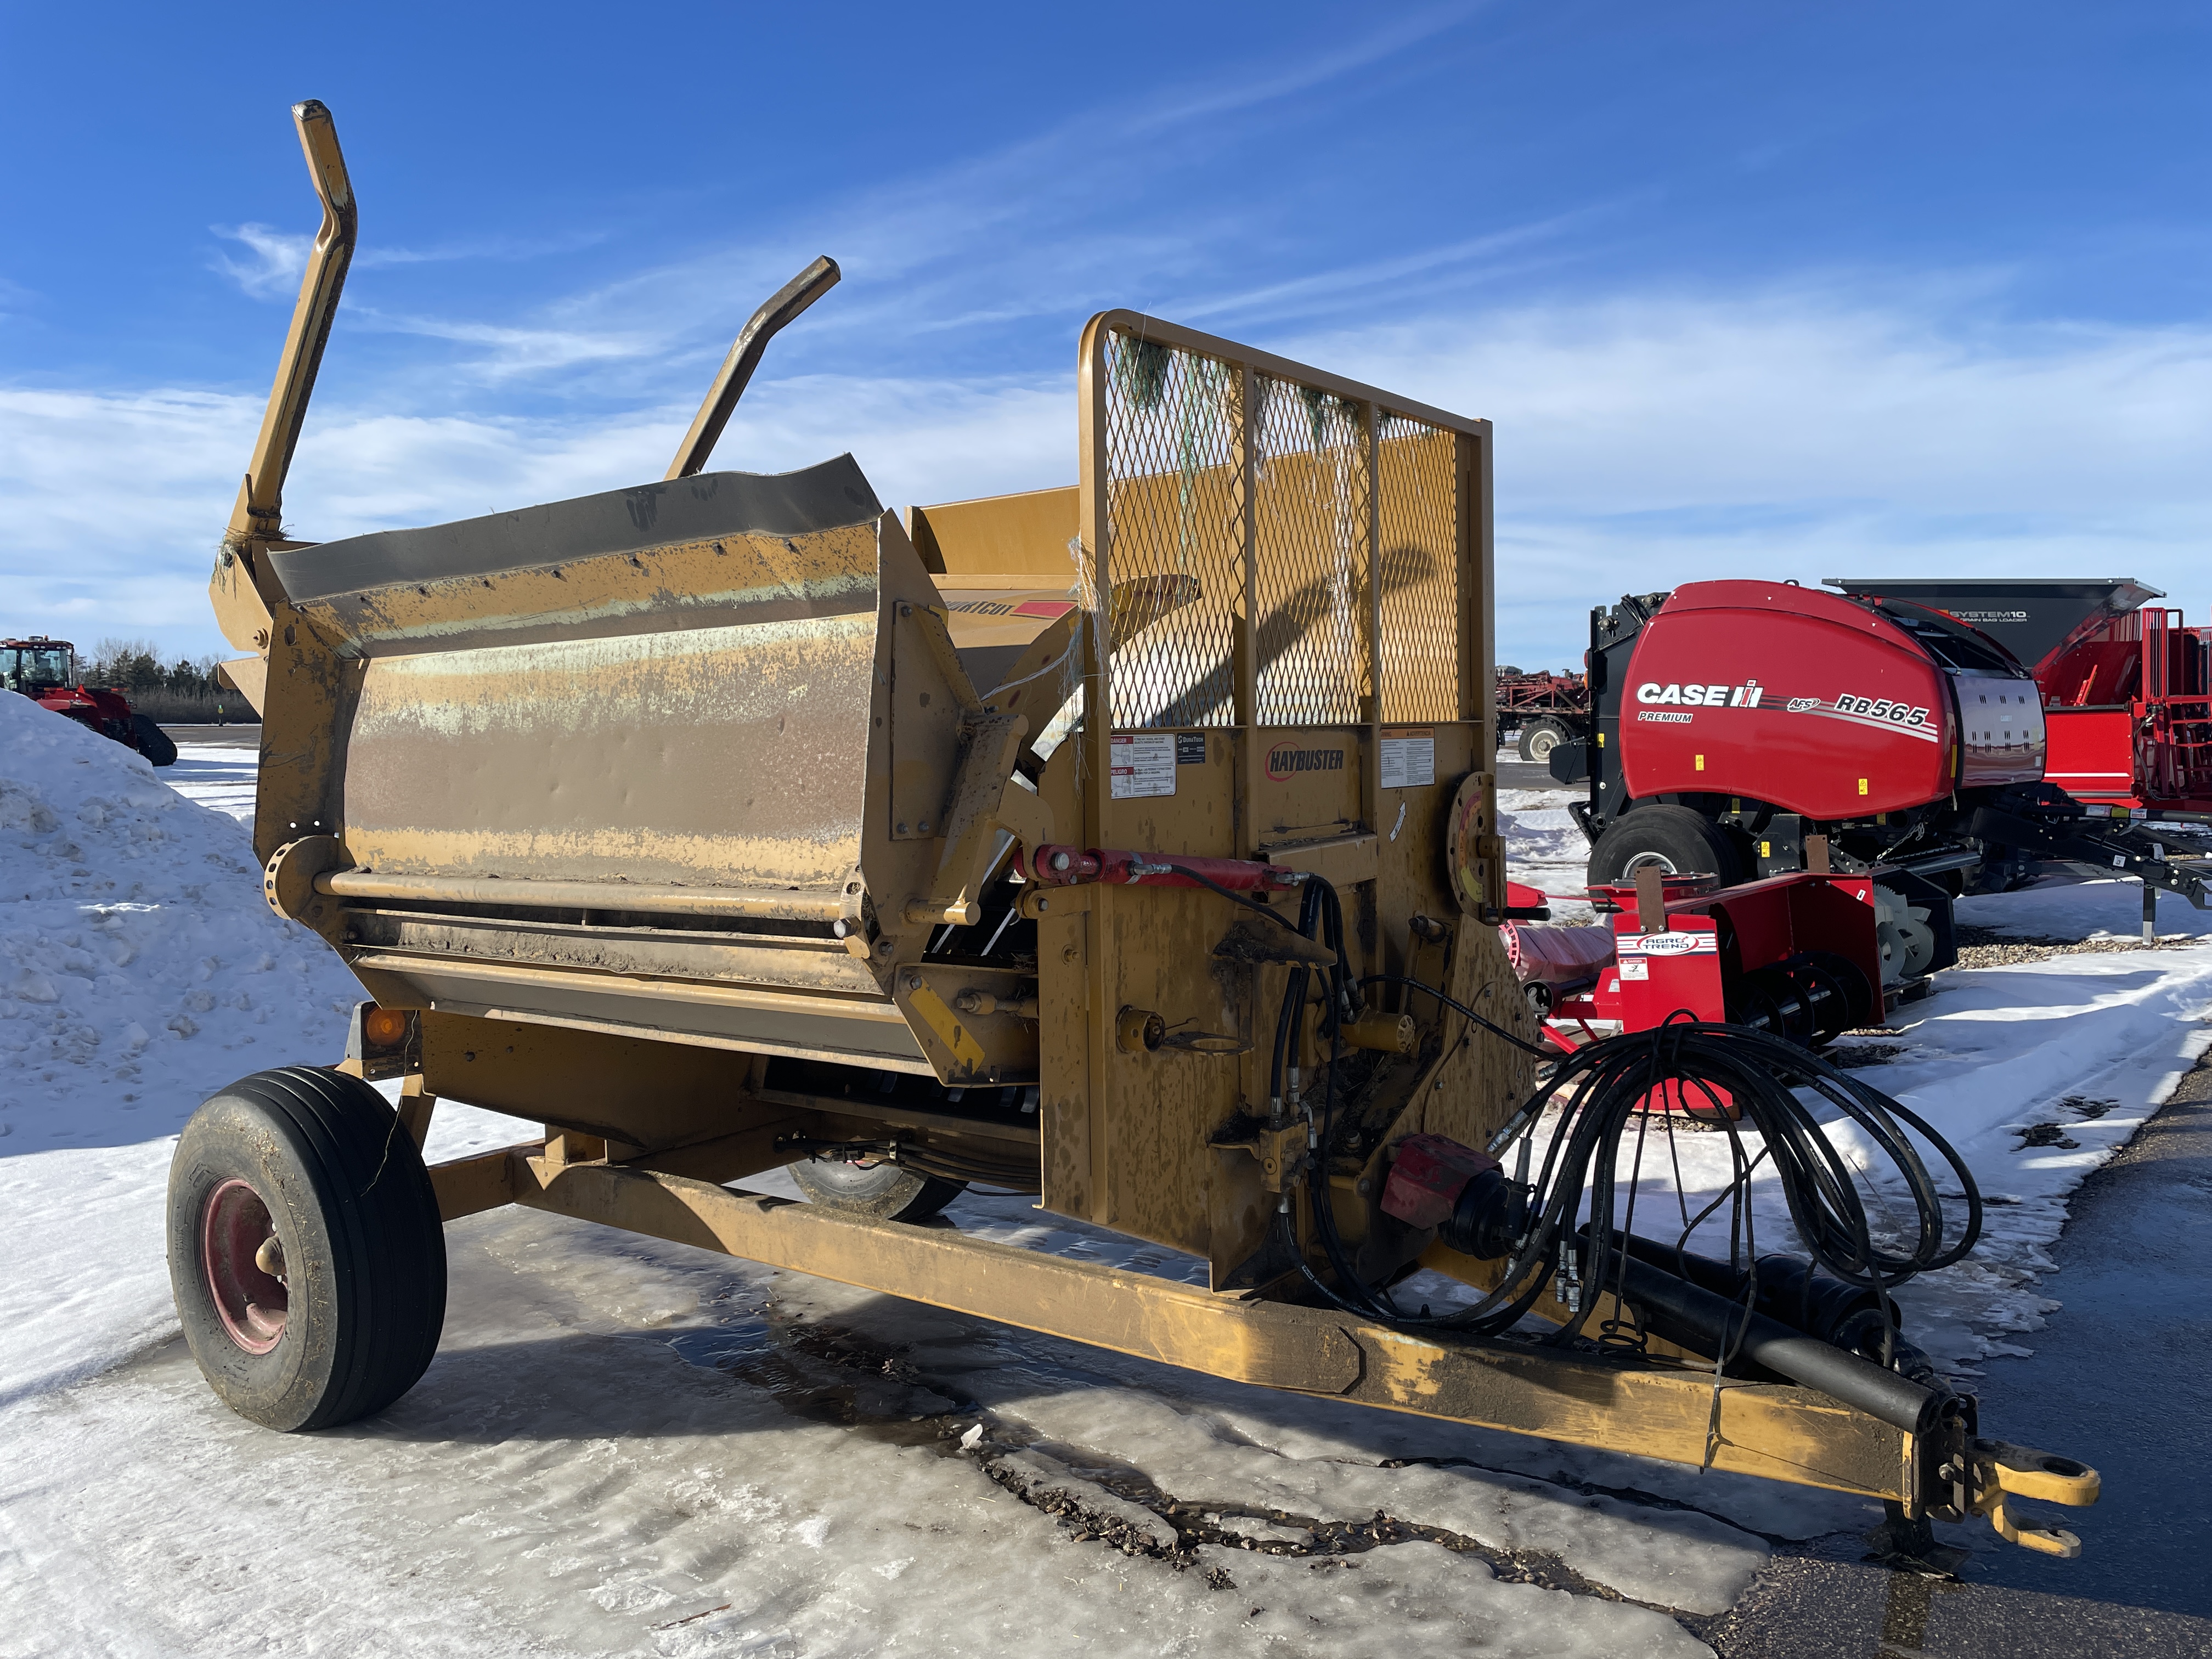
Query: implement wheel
[
  {"x": 305, "y": 1253},
  {"x": 1678, "y": 841},
  {"x": 880, "y": 1190},
  {"x": 1539, "y": 736}
]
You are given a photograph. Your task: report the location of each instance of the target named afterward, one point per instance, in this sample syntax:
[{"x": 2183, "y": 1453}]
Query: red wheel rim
[{"x": 250, "y": 1301}]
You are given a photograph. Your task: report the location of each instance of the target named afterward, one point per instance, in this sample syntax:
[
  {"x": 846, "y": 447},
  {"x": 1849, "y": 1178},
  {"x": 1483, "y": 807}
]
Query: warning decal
[
  {"x": 1409, "y": 756},
  {"x": 1143, "y": 763}
]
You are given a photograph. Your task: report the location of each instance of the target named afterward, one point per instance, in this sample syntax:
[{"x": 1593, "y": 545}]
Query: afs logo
[{"x": 1285, "y": 761}]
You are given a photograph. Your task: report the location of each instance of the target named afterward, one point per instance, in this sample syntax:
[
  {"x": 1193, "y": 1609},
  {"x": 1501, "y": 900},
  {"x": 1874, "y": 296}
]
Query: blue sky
[{"x": 1748, "y": 288}]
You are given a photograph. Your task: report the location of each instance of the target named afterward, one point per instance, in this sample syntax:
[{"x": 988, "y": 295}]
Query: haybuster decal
[{"x": 1286, "y": 760}]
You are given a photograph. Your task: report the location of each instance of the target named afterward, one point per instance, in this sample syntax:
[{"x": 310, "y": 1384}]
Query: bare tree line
[{"x": 184, "y": 690}]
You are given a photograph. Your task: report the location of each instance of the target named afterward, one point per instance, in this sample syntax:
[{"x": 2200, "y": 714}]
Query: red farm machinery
[
  {"x": 1798, "y": 784},
  {"x": 2126, "y": 686},
  {"x": 46, "y": 671},
  {"x": 1539, "y": 712}
]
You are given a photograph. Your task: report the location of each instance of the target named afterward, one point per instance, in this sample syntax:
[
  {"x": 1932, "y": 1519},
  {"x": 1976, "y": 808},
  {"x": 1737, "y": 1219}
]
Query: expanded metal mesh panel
[
  {"x": 1310, "y": 496},
  {"x": 1176, "y": 479},
  {"x": 1420, "y": 572},
  {"x": 1175, "y": 575}
]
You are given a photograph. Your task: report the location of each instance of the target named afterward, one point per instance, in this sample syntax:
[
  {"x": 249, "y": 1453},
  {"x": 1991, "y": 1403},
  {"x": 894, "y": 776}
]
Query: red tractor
[{"x": 45, "y": 671}]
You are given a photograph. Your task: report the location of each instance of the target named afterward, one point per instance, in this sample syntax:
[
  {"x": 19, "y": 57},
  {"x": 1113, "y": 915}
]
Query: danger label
[
  {"x": 1409, "y": 758},
  {"x": 1143, "y": 763}
]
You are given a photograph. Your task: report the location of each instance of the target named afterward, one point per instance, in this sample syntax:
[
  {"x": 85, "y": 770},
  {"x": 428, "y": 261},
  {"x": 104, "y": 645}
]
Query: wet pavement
[{"x": 2121, "y": 1379}]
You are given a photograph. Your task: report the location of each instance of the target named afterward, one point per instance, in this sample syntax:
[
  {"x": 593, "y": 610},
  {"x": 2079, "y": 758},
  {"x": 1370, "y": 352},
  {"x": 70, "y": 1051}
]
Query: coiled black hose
[{"x": 1604, "y": 1088}]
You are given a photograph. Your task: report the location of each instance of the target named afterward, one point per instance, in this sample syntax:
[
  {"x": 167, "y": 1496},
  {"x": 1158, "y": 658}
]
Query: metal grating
[
  {"x": 1175, "y": 577},
  {"x": 1420, "y": 572},
  {"x": 1320, "y": 482},
  {"x": 1310, "y": 497}
]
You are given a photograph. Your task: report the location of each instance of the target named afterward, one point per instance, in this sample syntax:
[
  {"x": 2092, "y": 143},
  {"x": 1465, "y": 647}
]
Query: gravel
[{"x": 1985, "y": 947}]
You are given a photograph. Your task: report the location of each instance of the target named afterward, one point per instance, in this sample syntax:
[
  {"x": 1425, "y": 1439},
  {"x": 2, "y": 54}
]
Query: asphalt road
[
  {"x": 218, "y": 737},
  {"x": 2121, "y": 1379},
  {"x": 1525, "y": 774}
]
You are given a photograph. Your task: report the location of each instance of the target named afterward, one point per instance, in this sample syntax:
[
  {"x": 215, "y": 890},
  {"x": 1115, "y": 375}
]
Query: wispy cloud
[
  {"x": 1645, "y": 437},
  {"x": 1642, "y": 442},
  {"x": 509, "y": 351},
  {"x": 1324, "y": 290},
  {"x": 274, "y": 260},
  {"x": 1796, "y": 431},
  {"x": 1059, "y": 220},
  {"x": 1179, "y": 107}
]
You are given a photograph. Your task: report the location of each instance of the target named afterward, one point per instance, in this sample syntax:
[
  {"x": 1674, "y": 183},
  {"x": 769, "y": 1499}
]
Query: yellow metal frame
[
  {"x": 619, "y": 982},
  {"x": 1652, "y": 1410}
]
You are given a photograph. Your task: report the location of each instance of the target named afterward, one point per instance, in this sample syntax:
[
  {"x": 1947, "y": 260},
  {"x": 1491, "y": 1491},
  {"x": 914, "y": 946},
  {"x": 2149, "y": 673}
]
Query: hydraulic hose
[
  {"x": 1705, "y": 1322},
  {"x": 1603, "y": 1089}
]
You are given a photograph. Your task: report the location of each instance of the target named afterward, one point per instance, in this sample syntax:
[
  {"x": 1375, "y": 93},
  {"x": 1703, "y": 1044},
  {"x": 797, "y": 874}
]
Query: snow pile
[{"x": 139, "y": 972}]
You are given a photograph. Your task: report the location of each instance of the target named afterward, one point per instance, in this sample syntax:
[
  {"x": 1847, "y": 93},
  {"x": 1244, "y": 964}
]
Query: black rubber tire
[
  {"x": 364, "y": 1252},
  {"x": 155, "y": 744},
  {"x": 1680, "y": 842},
  {"x": 884, "y": 1191},
  {"x": 1539, "y": 736}
]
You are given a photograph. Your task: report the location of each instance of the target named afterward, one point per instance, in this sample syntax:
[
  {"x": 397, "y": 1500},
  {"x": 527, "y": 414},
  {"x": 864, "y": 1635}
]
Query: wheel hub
[{"x": 243, "y": 1264}]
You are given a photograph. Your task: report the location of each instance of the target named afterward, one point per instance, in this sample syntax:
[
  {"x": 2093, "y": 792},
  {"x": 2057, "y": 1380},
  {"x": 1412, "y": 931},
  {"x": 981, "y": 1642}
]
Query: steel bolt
[
  {"x": 922, "y": 828},
  {"x": 1061, "y": 860},
  {"x": 902, "y": 830}
]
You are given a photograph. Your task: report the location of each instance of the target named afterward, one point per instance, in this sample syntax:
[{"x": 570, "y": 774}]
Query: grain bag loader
[{"x": 1127, "y": 843}]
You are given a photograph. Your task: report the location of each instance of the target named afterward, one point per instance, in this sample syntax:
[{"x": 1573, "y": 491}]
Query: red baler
[{"x": 1751, "y": 729}]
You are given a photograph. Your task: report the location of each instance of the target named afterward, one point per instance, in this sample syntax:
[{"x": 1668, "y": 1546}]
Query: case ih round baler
[
  {"x": 1746, "y": 731},
  {"x": 1126, "y": 843}
]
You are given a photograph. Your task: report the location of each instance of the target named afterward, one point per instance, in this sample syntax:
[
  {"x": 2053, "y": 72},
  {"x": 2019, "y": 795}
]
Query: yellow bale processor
[{"x": 1129, "y": 844}]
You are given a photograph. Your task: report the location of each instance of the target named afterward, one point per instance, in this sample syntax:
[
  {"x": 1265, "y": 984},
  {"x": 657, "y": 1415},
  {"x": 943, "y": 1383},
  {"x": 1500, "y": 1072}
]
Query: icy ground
[{"x": 625, "y": 1447}]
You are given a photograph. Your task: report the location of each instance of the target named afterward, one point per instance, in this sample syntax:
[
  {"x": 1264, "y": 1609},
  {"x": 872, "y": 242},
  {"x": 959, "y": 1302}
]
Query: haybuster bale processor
[{"x": 1125, "y": 844}]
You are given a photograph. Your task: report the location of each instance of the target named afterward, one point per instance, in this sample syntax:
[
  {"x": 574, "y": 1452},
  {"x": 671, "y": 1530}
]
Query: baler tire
[
  {"x": 1681, "y": 842},
  {"x": 1539, "y": 736},
  {"x": 882, "y": 1191},
  {"x": 344, "y": 1316},
  {"x": 155, "y": 744}
]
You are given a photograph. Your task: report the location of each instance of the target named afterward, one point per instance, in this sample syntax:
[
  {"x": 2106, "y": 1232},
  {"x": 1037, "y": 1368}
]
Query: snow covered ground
[
  {"x": 1545, "y": 849},
  {"x": 625, "y": 1447}
]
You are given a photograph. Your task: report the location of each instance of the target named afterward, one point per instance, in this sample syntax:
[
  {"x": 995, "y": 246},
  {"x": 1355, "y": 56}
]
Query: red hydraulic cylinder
[{"x": 1069, "y": 866}]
